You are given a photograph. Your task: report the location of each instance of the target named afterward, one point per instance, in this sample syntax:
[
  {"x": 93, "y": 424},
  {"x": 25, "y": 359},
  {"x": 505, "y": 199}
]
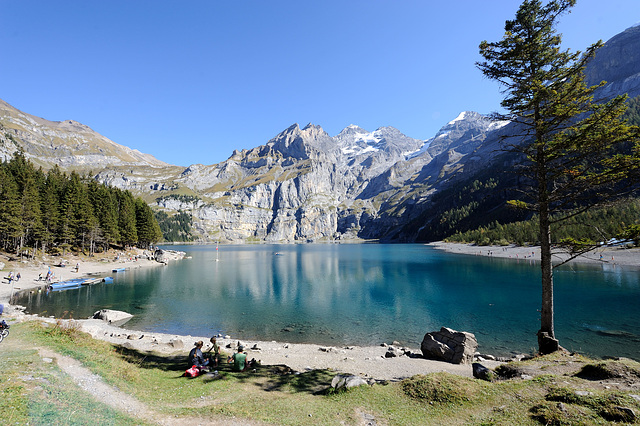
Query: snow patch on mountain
[
  {"x": 357, "y": 141},
  {"x": 462, "y": 116}
]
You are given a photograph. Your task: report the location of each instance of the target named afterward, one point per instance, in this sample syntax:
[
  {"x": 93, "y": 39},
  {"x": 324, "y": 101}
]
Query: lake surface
[{"x": 364, "y": 294}]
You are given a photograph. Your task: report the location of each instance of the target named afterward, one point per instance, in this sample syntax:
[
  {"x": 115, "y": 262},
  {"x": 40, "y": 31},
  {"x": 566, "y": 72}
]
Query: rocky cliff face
[
  {"x": 304, "y": 185},
  {"x": 618, "y": 63}
]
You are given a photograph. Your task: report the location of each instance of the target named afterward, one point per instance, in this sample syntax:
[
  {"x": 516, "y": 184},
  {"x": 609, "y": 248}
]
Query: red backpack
[{"x": 192, "y": 372}]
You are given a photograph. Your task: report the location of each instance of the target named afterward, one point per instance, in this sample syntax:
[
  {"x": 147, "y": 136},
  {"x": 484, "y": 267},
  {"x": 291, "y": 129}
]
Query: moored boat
[
  {"x": 77, "y": 282},
  {"x": 92, "y": 281}
]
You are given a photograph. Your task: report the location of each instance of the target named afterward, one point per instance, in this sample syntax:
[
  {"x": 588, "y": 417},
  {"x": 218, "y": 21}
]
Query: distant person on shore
[
  {"x": 216, "y": 351},
  {"x": 196, "y": 357},
  {"x": 239, "y": 360}
]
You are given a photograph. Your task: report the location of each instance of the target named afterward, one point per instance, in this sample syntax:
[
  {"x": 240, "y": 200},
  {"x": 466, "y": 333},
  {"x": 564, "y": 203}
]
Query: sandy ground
[
  {"x": 609, "y": 256},
  {"x": 368, "y": 362},
  {"x": 30, "y": 270}
]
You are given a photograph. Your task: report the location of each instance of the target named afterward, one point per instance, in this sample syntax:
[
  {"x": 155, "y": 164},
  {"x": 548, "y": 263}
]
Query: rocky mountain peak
[
  {"x": 354, "y": 141},
  {"x": 618, "y": 59},
  {"x": 309, "y": 142},
  {"x": 73, "y": 126},
  {"x": 351, "y": 129}
]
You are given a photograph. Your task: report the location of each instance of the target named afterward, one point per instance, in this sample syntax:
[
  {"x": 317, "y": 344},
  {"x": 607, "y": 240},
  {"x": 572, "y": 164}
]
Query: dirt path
[
  {"x": 107, "y": 394},
  {"x": 93, "y": 384}
]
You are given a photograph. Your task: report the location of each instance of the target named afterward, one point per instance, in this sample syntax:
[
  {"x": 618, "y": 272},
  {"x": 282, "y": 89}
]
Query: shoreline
[
  {"x": 605, "y": 256},
  {"x": 368, "y": 362},
  {"x": 31, "y": 270}
]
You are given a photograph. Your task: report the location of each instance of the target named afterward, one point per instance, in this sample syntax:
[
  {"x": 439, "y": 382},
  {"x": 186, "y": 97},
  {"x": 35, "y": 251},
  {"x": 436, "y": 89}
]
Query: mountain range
[{"x": 305, "y": 185}]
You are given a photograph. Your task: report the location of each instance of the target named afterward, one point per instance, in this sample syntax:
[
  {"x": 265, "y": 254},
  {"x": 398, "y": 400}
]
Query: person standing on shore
[{"x": 216, "y": 351}]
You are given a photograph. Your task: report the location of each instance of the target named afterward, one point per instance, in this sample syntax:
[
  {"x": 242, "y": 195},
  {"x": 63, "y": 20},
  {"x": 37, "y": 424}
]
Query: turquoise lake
[{"x": 364, "y": 294}]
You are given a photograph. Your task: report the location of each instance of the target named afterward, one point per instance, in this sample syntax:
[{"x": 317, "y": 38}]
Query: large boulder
[
  {"x": 345, "y": 381},
  {"x": 112, "y": 317},
  {"x": 456, "y": 347}
]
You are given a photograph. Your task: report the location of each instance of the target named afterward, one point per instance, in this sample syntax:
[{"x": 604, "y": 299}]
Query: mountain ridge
[{"x": 305, "y": 185}]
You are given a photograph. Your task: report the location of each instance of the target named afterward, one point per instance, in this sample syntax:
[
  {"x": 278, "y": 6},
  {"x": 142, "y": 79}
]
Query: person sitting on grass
[
  {"x": 239, "y": 359},
  {"x": 196, "y": 358}
]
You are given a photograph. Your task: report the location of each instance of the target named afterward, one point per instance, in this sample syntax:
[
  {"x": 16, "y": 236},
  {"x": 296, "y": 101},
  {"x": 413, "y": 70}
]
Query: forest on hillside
[
  {"x": 595, "y": 226},
  {"x": 53, "y": 211}
]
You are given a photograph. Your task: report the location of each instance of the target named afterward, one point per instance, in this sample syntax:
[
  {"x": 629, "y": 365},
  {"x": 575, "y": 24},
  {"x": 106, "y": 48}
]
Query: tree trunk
[{"x": 547, "y": 342}]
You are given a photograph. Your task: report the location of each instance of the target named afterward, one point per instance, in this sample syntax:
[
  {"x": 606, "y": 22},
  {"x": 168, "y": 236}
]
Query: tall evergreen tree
[
  {"x": 30, "y": 214},
  {"x": 10, "y": 225},
  {"x": 69, "y": 209},
  {"x": 127, "y": 218},
  {"x": 50, "y": 193},
  {"x": 105, "y": 206},
  {"x": 146, "y": 225},
  {"x": 572, "y": 150}
]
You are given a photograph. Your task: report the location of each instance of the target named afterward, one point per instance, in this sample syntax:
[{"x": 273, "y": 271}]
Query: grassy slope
[{"x": 37, "y": 392}]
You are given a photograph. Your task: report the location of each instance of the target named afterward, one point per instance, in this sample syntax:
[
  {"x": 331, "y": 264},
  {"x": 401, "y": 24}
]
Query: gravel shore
[{"x": 607, "y": 256}]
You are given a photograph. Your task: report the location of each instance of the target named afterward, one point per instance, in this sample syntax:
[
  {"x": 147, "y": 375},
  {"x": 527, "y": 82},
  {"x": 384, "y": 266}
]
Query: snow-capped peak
[
  {"x": 460, "y": 117},
  {"x": 356, "y": 141}
]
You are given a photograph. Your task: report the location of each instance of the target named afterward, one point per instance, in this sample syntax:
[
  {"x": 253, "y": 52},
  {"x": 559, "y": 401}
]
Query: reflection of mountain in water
[{"x": 340, "y": 294}]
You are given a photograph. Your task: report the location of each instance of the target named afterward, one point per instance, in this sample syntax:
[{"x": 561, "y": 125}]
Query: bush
[{"x": 440, "y": 388}]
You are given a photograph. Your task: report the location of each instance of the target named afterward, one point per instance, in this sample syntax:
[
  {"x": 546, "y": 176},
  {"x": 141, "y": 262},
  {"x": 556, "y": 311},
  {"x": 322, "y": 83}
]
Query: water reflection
[{"x": 365, "y": 294}]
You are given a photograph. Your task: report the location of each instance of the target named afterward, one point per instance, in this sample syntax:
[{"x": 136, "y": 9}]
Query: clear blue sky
[{"x": 190, "y": 81}]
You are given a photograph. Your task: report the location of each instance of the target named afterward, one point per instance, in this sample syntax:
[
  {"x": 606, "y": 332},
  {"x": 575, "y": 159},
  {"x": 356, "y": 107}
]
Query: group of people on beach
[
  {"x": 203, "y": 361},
  {"x": 13, "y": 276}
]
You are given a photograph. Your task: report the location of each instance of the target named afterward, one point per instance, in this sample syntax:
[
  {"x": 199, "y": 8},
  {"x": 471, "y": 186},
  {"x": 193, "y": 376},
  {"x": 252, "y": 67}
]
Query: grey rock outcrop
[
  {"x": 345, "y": 382},
  {"x": 456, "y": 347},
  {"x": 617, "y": 63},
  {"x": 481, "y": 372},
  {"x": 113, "y": 317}
]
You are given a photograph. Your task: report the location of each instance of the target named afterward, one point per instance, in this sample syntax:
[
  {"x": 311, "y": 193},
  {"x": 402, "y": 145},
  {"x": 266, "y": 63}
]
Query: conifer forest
[{"x": 52, "y": 212}]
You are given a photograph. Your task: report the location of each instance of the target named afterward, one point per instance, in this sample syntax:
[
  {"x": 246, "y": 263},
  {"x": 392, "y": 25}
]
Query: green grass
[{"x": 37, "y": 393}]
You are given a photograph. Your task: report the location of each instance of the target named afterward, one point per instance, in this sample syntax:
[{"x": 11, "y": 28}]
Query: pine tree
[
  {"x": 572, "y": 151},
  {"x": 30, "y": 214},
  {"x": 146, "y": 225},
  {"x": 127, "y": 218},
  {"x": 50, "y": 193},
  {"x": 105, "y": 206},
  {"x": 10, "y": 226}
]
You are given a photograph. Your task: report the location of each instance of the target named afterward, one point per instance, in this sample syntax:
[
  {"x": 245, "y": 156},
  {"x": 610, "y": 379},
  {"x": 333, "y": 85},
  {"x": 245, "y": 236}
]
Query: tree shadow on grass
[
  {"x": 271, "y": 378},
  {"x": 149, "y": 360},
  {"x": 284, "y": 379}
]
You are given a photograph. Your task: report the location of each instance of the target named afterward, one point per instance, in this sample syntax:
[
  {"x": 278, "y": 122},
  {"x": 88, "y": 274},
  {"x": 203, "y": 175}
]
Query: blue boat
[
  {"x": 108, "y": 280},
  {"x": 119, "y": 269},
  {"x": 77, "y": 286},
  {"x": 74, "y": 283}
]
